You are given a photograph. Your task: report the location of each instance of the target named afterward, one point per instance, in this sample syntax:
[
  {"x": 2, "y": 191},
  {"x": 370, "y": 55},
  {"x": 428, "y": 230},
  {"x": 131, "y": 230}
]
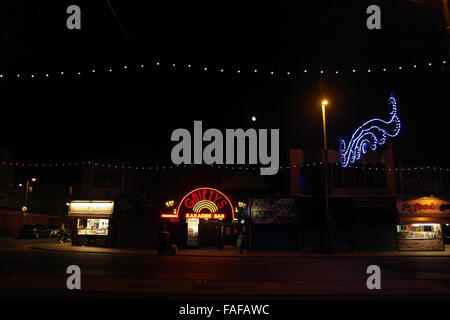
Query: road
[{"x": 26, "y": 273}]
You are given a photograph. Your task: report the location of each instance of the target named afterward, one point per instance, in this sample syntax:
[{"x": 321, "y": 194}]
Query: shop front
[
  {"x": 92, "y": 222},
  {"x": 275, "y": 223},
  {"x": 205, "y": 217},
  {"x": 421, "y": 222}
]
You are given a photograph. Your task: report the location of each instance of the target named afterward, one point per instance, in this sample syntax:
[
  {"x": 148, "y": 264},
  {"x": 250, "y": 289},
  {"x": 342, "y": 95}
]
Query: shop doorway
[
  {"x": 209, "y": 234},
  {"x": 192, "y": 232},
  {"x": 230, "y": 235}
]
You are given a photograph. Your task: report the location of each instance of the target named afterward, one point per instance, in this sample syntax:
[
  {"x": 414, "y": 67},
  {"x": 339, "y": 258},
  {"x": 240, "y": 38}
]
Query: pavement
[{"x": 232, "y": 252}]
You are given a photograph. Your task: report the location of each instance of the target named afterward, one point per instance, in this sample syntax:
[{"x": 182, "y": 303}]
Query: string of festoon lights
[
  {"x": 440, "y": 65},
  {"x": 157, "y": 168}
]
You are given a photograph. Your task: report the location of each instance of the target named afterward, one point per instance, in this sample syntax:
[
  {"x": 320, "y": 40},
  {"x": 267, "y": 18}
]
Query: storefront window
[
  {"x": 419, "y": 231},
  {"x": 88, "y": 226}
]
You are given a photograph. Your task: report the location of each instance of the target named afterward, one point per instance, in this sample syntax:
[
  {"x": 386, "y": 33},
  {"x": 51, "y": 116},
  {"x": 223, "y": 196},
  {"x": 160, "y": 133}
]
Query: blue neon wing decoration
[{"x": 370, "y": 135}]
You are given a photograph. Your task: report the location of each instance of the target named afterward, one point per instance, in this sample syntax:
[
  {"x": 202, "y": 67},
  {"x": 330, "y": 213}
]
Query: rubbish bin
[{"x": 163, "y": 247}]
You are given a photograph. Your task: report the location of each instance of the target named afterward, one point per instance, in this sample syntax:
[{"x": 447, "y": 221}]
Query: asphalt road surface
[{"x": 26, "y": 273}]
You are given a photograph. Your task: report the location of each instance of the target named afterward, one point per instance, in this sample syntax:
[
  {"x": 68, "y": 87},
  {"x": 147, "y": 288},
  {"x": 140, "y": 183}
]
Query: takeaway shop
[
  {"x": 422, "y": 221},
  {"x": 92, "y": 222}
]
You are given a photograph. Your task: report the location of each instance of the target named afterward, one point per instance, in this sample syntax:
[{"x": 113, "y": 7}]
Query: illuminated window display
[
  {"x": 426, "y": 236},
  {"x": 419, "y": 231},
  {"x": 93, "y": 226}
]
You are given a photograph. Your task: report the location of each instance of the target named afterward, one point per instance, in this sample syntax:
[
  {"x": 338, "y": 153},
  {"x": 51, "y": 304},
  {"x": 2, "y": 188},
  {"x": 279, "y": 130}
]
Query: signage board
[
  {"x": 91, "y": 207},
  {"x": 205, "y": 203},
  {"x": 423, "y": 206},
  {"x": 274, "y": 210}
]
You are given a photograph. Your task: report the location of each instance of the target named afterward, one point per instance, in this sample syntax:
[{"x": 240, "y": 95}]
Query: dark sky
[{"x": 131, "y": 113}]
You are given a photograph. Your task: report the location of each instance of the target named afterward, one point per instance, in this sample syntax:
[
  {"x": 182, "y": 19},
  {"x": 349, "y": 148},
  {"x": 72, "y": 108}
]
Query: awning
[{"x": 413, "y": 220}]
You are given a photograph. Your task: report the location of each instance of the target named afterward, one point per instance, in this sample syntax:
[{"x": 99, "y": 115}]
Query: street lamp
[
  {"x": 24, "y": 208},
  {"x": 329, "y": 243}
]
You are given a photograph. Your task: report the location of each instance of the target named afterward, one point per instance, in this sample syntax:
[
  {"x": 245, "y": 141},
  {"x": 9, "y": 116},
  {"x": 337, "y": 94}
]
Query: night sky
[{"x": 131, "y": 113}]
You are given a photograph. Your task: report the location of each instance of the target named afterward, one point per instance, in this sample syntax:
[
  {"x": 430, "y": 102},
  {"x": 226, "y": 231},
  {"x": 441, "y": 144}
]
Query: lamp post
[
  {"x": 24, "y": 208},
  {"x": 328, "y": 242}
]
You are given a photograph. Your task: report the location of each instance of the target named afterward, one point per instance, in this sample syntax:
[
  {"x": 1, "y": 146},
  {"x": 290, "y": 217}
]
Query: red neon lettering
[
  {"x": 218, "y": 197},
  {"x": 195, "y": 197},
  {"x": 222, "y": 204},
  {"x": 189, "y": 203}
]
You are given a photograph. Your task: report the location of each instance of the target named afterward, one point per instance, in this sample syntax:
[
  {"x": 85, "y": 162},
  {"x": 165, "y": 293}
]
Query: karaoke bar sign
[{"x": 205, "y": 203}]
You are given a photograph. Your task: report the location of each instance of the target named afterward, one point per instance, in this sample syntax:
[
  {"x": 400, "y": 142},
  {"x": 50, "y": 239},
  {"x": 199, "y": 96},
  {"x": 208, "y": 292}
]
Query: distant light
[
  {"x": 18, "y": 75},
  {"x": 444, "y": 62},
  {"x": 324, "y": 102},
  {"x": 253, "y": 118},
  {"x": 429, "y": 64},
  {"x": 189, "y": 65},
  {"x": 271, "y": 72},
  {"x": 79, "y": 73},
  {"x": 384, "y": 69},
  {"x": 93, "y": 70},
  {"x": 206, "y": 68},
  {"x": 32, "y": 75},
  {"x": 321, "y": 71},
  {"x": 158, "y": 64},
  {"x": 221, "y": 70},
  {"x": 110, "y": 70},
  {"x": 354, "y": 70},
  {"x": 46, "y": 75},
  {"x": 368, "y": 70},
  {"x": 288, "y": 73},
  {"x": 142, "y": 65},
  {"x": 256, "y": 70},
  {"x": 337, "y": 72},
  {"x": 305, "y": 71},
  {"x": 415, "y": 66},
  {"x": 124, "y": 67},
  {"x": 239, "y": 71},
  {"x": 62, "y": 72},
  {"x": 400, "y": 68}
]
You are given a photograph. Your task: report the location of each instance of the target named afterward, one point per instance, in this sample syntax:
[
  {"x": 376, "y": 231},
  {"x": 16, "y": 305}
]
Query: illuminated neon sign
[
  {"x": 205, "y": 216},
  {"x": 169, "y": 215},
  {"x": 205, "y": 203},
  {"x": 371, "y": 134}
]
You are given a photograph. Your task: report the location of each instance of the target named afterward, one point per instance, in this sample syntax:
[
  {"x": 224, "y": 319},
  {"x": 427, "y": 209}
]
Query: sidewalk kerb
[{"x": 236, "y": 255}]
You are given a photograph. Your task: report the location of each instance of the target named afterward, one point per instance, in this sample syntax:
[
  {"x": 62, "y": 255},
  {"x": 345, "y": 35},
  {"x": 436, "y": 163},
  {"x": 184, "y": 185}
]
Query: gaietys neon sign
[{"x": 205, "y": 203}]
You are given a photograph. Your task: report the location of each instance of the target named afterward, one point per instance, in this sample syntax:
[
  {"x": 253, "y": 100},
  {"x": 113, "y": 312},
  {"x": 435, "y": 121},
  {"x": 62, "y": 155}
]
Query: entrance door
[
  {"x": 230, "y": 235},
  {"x": 192, "y": 234},
  {"x": 209, "y": 234}
]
